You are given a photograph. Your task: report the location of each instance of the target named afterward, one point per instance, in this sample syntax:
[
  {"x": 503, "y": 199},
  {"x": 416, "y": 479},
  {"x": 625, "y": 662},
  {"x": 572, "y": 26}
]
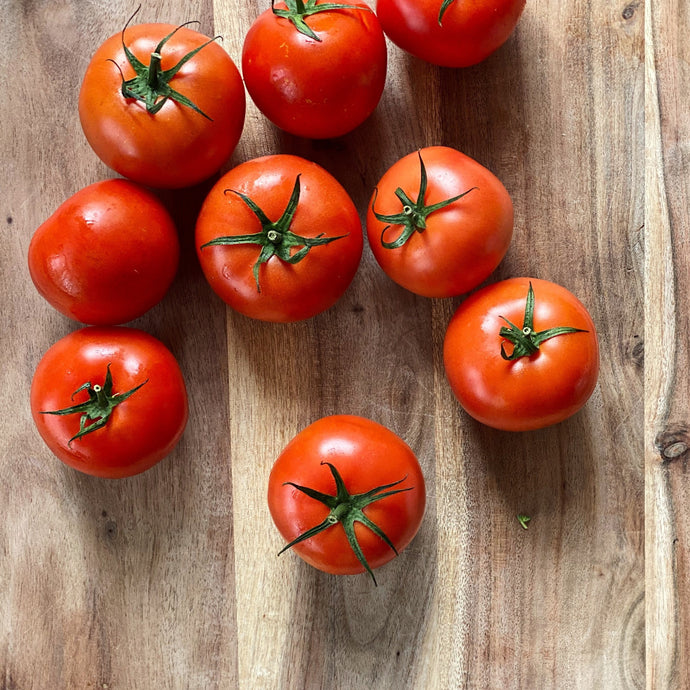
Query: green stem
[{"x": 154, "y": 70}]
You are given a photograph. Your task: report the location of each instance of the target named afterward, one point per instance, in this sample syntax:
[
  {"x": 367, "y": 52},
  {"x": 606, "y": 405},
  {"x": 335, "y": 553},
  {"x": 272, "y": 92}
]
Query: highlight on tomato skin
[
  {"x": 109, "y": 401},
  {"x": 106, "y": 255},
  {"x": 346, "y": 483},
  {"x": 521, "y": 354}
]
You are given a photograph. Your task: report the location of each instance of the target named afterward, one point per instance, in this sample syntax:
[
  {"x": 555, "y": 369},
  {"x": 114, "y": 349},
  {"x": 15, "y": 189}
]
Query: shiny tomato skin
[
  {"x": 462, "y": 243},
  {"x": 175, "y": 147},
  {"x": 141, "y": 431},
  {"x": 367, "y": 455},
  {"x": 107, "y": 254},
  {"x": 315, "y": 89},
  {"x": 470, "y": 31},
  {"x": 529, "y": 392},
  {"x": 289, "y": 292}
]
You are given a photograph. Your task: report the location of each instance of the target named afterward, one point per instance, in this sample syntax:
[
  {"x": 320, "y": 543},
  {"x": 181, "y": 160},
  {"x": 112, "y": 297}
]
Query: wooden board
[{"x": 170, "y": 579}]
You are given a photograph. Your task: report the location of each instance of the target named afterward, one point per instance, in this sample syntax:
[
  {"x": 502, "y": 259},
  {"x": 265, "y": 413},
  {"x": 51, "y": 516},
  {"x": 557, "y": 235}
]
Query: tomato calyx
[
  {"x": 98, "y": 407},
  {"x": 297, "y": 10},
  {"x": 346, "y": 509},
  {"x": 526, "y": 340},
  {"x": 446, "y": 4},
  {"x": 151, "y": 83},
  {"x": 414, "y": 213},
  {"x": 275, "y": 237}
]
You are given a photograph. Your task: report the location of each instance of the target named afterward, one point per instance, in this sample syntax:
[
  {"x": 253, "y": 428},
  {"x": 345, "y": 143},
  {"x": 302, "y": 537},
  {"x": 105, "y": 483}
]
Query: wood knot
[
  {"x": 637, "y": 354},
  {"x": 629, "y": 10},
  {"x": 672, "y": 444}
]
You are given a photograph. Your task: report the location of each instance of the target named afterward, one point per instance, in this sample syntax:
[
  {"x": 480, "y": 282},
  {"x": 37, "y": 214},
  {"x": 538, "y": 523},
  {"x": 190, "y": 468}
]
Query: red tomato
[
  {"x": 129, "y": 395},
  {"x": 516, "y": 379},
  {"x": 362, "y": 456},
  {"x": 279, "y": 239},
  {"x": 177, "y": 133},
  {"x": 320, "y": 74},
  {"x": 450, "y": 33},
  {"x": 107, "y": 255},
  {"x": 439, "y": 222}
]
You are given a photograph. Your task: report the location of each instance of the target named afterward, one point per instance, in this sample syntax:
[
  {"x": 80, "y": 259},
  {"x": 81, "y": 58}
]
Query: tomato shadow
[
  {"x": 552, "y": 476},
  {"x": 138, "y": 530}
]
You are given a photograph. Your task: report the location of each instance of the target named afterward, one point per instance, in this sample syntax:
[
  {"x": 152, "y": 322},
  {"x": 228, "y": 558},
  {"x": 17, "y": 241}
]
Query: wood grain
[{"x": 171, "y": 580}]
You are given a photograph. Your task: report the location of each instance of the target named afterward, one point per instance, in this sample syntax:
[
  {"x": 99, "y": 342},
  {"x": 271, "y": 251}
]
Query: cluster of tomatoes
[{"x": 279, "y": 239}]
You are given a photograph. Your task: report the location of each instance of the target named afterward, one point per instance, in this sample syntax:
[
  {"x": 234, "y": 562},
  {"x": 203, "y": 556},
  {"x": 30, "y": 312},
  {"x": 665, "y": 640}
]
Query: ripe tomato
[
  {"x": 315, "y": 69},
  {"x": 109, "y": 401},
  {"x": 521, "y": 354},
  {"x": 107, "y": 255},
  {"x": 439, "y": 222},
  {"x": 278, "y": 238},
  {"x": 450, "y": 33},
  {"x": 343, "y": 484},
  {"x": 158, "y": 112}
]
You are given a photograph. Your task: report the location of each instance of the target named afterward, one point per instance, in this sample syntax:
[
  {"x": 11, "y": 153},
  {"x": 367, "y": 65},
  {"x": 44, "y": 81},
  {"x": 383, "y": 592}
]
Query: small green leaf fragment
[{"x": 523, "y": 520}]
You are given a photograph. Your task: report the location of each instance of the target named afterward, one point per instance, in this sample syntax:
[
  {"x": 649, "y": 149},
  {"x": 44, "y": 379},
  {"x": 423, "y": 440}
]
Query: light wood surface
[
  {"x": 170, "y": 579},
  {"x": 667, "y": 404}
]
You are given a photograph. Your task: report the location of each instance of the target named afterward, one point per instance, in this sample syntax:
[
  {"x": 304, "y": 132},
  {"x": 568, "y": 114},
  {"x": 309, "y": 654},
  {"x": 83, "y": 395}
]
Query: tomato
[
  {"x": 107, "y": 255},
  {"x": 278, "y": 238},
  {"x": 369, "y": 488},
  {"x": 521, "y": 354},
  {"x": 315, "y": 69},
  {"x": 155, "y": 110},
  {"x": 109, "y": 401},
  {"x": 450, "y": 33},
  {"x": 439, "y": 222}
]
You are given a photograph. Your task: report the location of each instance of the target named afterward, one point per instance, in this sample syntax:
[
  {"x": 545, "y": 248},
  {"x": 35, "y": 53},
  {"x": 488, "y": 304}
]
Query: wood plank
[{"x": 666, "y": 352}]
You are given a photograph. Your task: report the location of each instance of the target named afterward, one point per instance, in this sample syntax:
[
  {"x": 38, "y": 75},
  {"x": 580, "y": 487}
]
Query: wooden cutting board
[{"x": 170, "y": 579}]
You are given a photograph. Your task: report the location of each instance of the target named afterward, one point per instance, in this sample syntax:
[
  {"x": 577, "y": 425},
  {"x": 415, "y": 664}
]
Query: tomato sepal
[
  {"x": 346, "y": 509},
  {"x": 446, "y": 4},
  {"x": 150, "y": 85},
  {"x": 98, "y": 407},
  {"x": 297, "y": 10},
  {"x": 526, "y": 340},
  {"x": 414, "y": 213},
  {"x": 275, "y": 237}
]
